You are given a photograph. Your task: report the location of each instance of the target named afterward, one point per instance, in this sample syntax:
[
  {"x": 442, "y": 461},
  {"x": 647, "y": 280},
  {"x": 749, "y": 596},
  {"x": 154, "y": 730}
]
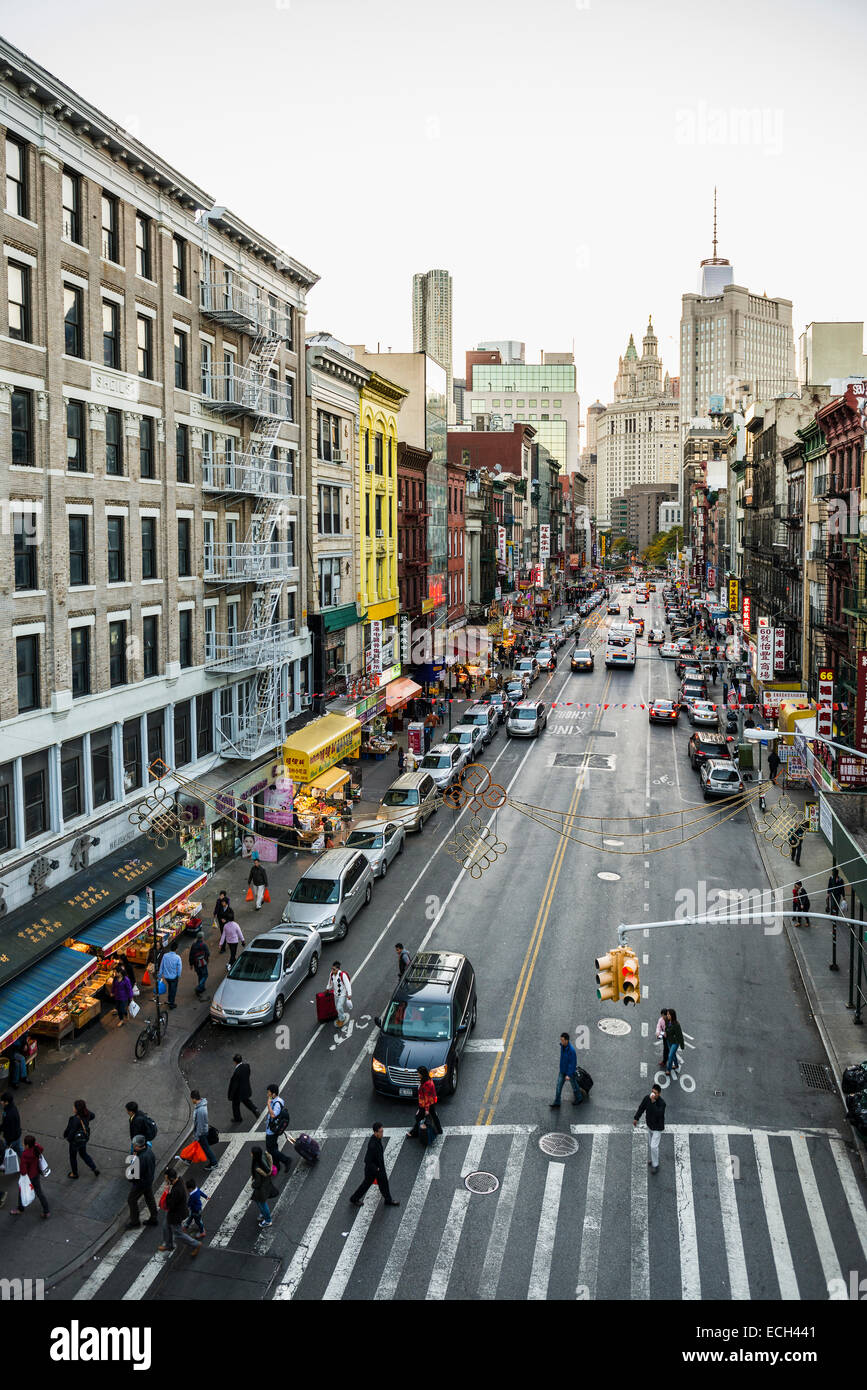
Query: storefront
[
  {"x": 398, "y": 694},
  {"x": 231, "y": 818},
  {"x": 317, "y": 790}
]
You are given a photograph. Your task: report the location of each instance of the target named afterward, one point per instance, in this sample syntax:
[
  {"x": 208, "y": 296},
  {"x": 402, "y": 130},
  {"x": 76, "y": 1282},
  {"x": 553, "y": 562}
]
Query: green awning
[{"x": 335, "y": 618}]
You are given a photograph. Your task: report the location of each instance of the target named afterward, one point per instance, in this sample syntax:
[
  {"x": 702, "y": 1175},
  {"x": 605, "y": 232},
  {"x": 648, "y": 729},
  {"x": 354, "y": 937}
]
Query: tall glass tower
[{"x": 432, "y": 322}]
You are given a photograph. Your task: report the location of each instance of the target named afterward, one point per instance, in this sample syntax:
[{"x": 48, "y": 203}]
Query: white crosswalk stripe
[
  {"x": 739, "y": 1284},
  {"x": 690, "y": 1277}
]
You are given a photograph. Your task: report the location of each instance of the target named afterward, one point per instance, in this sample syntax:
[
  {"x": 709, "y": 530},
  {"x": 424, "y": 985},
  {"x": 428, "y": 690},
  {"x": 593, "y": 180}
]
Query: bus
[{"x": 620, "y": 647}]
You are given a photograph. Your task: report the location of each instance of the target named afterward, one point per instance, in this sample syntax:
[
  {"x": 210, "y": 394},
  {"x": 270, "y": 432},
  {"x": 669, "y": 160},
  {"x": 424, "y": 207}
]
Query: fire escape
[{"x": 251, "y": 393}]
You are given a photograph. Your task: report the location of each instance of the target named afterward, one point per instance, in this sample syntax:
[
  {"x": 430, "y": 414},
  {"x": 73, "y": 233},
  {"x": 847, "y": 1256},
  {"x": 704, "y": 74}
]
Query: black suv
[
  {"x": 427, "y": 1022},
  {"x": 703, "y": 745}
]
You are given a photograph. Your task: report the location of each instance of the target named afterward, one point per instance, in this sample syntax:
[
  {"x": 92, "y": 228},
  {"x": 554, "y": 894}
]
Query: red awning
[{"x": 398, "y": 692}]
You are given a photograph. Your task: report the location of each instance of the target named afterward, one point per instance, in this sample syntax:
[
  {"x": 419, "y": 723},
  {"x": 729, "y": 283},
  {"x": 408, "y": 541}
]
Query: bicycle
[{"x": 151, "y": 1033}]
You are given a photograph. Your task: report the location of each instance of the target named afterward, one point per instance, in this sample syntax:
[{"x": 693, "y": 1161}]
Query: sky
[{"x": 558, "y": 157}]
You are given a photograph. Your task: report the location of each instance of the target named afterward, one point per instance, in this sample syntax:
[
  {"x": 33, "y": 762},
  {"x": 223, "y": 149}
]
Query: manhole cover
[
  {"x": 817, "y": 1076},
  {"x": 558, "y": 1145},
  {"x": 483, "y": 1184},
  {"x": 617, "y": 1027},
  {"x": 608, "y": 876}
]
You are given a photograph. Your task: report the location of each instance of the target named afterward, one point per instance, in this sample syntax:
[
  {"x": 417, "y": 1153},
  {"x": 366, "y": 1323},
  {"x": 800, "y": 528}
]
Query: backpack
[
  {"x": 150, "y": 1128},
  {"x": 584, "y": 1079},
  {"x": 804, "y": 901},
  {"x": 279, "y": 1123}
]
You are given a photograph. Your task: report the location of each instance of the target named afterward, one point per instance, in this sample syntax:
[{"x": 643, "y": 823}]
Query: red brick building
[
  {"x": 484, "y": 449},
  {"x": 840, "y": 422},
  {"x": 412, "y": 515},
  {"x": 456, "y": 478}
]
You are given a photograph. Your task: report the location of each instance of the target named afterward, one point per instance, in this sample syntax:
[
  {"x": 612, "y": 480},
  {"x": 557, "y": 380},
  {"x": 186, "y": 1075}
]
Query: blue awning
[
  {"x": 127, "y": 921},
  {"x": 22, "y": 1000}
]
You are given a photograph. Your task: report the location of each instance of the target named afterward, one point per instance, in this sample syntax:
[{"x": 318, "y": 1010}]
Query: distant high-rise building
[
  {"x": 510, "y": 351},
  {"x": 541, "y": 394},
  {"x": 638, "y": 435},
  {"x": 831, "y": 352},
  {"x": 432, "y": 322}
]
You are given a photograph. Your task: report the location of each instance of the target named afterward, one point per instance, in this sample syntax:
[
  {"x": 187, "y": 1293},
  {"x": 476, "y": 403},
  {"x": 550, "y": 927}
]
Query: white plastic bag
[
  {"x": 26, "y": 1191},
  {"x": 134, "y": 1009},
  {"x": 135, "y": 989},
  {"x": 43, "y": 1166},
  {"x": 10, "y": 1162}
]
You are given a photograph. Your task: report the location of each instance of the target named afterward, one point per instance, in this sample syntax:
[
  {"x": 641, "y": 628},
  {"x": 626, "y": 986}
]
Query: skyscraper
[
  {"x": 637, "y": 435},
  {"x": 432, "y": 322}
]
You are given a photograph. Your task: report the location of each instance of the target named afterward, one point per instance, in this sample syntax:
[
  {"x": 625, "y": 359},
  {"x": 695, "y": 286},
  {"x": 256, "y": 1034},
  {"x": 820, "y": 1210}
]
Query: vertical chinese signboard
[
  {"x": 501, "y": 548},
  {"x": 825, "y": 711},
  {"x": 733, "y": 596},
  {"x": 779, "y": 649},
  {"x": 765, "y": 654},
  {"x": 861, "y": 704},
  {"x": 747, "y": 613},
  {"x": 544, "y": 543},
  {"x": 374, "y": 664}
]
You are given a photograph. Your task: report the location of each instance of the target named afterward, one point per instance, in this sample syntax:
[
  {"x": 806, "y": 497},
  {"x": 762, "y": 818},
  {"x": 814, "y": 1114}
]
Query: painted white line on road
[
  {"x": 645, "y": 959},
  {"x": 639, "y": 1281},
  {"x": 851, "y": 1190},
  {"x": 288, "y": 1286},
  {"x": 402, "y": 1243},
  {"x": 444, "y": 1262},
  {"x": 774, "y": 1217},
  {"x": 816, "y": 1211},
  {"x": 546, "y": 1233},
  {"x": 739, "y": 1284},
  {"x": 107, "y": 1265},
  {"x": 499, "y": 1236},
  {"x": 646, "y": 931},
  {"x": 705, "y": 1129},
  {"x": 690, "y": 1279},
  {"x": 361, "y": 1224},
  {"x": 591, "y": 1225},
  {"x": 642, "y": 1069},
  {"x": 265, "y": 1239},
  {"x": 645, "y": 1029},
  {"x": 485, "y": 1045}
]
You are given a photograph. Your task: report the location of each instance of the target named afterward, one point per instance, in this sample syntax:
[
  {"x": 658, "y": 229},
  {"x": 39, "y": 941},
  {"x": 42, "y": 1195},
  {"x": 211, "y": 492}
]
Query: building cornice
[
  {"x": 335, "y": 364},
  {"x": 384, "y": 392}
]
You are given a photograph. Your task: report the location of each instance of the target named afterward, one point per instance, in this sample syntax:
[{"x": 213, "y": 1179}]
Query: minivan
[
  {"x": 410, "y": 800},
  {"x": 330, "y": 893},
  {"x": 484, "y": 717},
  {"x": 444, "y": 763},
  {"x": 526, "y": 719},
  {"x": 426, "y": 1023}
]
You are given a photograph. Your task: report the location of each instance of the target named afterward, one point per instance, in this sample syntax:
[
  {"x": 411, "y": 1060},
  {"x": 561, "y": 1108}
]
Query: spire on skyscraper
[{"x": 715, "y": 272}]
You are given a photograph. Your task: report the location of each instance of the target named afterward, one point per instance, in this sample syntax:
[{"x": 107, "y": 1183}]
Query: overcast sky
[{"x": 558, "y": 157}]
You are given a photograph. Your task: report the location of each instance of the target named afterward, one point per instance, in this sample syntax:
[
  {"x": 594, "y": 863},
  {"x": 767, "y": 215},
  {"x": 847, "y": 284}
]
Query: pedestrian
[
  {"x": 258, "y": 880},
  {"x": 443, "y": 709},
  {"x": 653, "y": 1110},
  {"x": 240, "y": 1088},
  {"x": 18, "y": 1064},
  {"x": 143, "y": 1172},
  {"x": 427, "y": 1106},
  {"x": 796, "y": 839},
  {"x": 201, "y": 1127},
  {"x": 374, "y": 1171},
  {"x": 77, "y": 1136},
  {"x": 773, "y": 764},
  {"x": 231, "y": 936},
  {"x": 196, "y": 1199},
  {"x": 339, "y": 982},
  {"x": 32, "y": 1159},
  {"x": 673, "y": 1040},
  {"x": 170, "y": 970},
  {"x": 713, "y": 673},
  {"x": 11, "y": 1123},
  {"x": 568, "y": 1068},
  {"x": 139, "y": 1123},
  {"x": 403, "y": 958},
  {"x": 261, "y": 1185},
  {"x": 222, "y": 914},
  {"x": 173, "y": 1202},
  {"x": 121, "y": 993},
  {"x": 661, "y": 1025},
  {"x": 199, "y": 957},
  {"x": 800, "y": 905},
  {"x": 401, "y": 761},
  {"x": 836, "y": 899},
  {"x": 725, "y": 689},
  {"x": 276, "y": 1124}
]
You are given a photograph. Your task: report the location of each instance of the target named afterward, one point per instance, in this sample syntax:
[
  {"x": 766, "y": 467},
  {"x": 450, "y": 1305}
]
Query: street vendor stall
[{"x": 310, "y": 759}]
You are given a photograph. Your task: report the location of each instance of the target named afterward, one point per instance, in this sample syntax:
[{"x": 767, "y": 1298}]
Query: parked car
[
  {"x": 269, "y": 969},
  {"x": 614, "y": 607},
  {"x": 655, "y": 636},
  {"x": 703, "y": 712},
  {"x": 669, "y": 651},
  {"x": 516, "y": 690},
  {"x": 484, "y": 717},
  {"x": 380, "y": 843},
  {"x": 410, "y": 801},
  {"x": 330, "y": 893},
  {"x": 703, "y": 745},
  {"x": 444, "y": 762},
  {"x": 686, "y": 669},
  {"x": 426, "y": 1023},
  {"x": 527, "y": 666},
  {"x": 720, "y": 777},
  {"x": 499, "y": 701},
  {"x": 692, "y": 690},
  {"x": 470, "y": 737},
  {"x": 527, "y": 719},
  {"x": 581, "y": 659},
  {"x": 546, "y": 659},
  {"x": 663, "y": 712}
]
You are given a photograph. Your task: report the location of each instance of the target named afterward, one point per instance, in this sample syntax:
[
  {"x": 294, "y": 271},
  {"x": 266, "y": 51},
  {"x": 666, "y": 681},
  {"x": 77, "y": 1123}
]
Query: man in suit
[
  {"x": 374, "y": 1170},
  {"x": 240, "y": 1089}
]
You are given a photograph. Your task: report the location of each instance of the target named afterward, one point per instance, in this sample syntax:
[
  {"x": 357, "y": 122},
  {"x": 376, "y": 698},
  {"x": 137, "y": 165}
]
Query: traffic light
[
  {"x": 607, "y": 976},
  {"x": 630, "y": 985}
]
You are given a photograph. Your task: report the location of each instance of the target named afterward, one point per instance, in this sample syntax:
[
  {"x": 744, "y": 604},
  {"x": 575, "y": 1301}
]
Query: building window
[
  {"x": 210, "y": 632},
  {"x": 27, "y": 659},
  {"x": 184, "y": 555},
  {"x": 146, "y": 447},
  {"x": 185, "y": 636},
  {"x": 207, "y": 456},
  {"x": 79, "y": 563},
  {"x": 71, "y": 782},
  {"x": 16, "y": 177},
  {"x": 390, "y": 457},
  {"x": 290, "y": 471},
  {"x": 183, "y": 746},
  {"x": 207, "y": 368},
  {"x": 179, "y": 265},
  {"x": 150, "y": 636},
  {"x": 80, "y": 643},
  {"x": 19, "y": 301},
  {"x": 73, "y": 319},
  {"x": 24, "y": 545},
  {"x": 143, "y": 246},
  {"x": 117, "y": 653},
  {"x": 35, "y": 796},
  {"x": 289, "y": 325},
  {"x": 182, "y": 452},
  {"x": 328, "y": 429},
  {"x": 149, "y": 547},
  {"x": 116, "y": 549},
  {"x": 231, "y": 541},
  {"x": 22, "y": 427},
  {"x": 101, "y": 767},
  {"x": 76, "y": 437},
  {"x": 208, "y": 545},
  {"x": 329, "y": 511},
  {"x": 71, "y": 196},
  {"x": 377, "y": 453},
  {"x": 114, "y": 443},
  {"x": 329, "y": 582},
  {"x": 110, "y": 247},
  {"x": 181, "y": 377},
  {"x": 110, "y": 333},
  {"x": 290, "y": 398},
  {"x": 131, "y": 755},
  {"x": 144, "y": 330},
  {"x": 156, "y": 727},
  {"x": 204, "y": 724}
]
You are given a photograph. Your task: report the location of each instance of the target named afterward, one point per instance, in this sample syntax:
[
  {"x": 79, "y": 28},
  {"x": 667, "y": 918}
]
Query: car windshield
[
  {"x": 437, "y": 760},
  {"x": 705, "y": 707},
  {"x": 525, "y": 714},
  {"x": 458, "y": 736},
  {"x": 476, "y": 719},
  {"x": 663, "y": 704},
  {"x": 513, "y": 690},
  {"x": 721, "y": 775},
  {"x": 255, "y": 966},
  {"x": 418, "y": 1021},
  {"x": 400, "y": 796},
  {"x": 365, "y": 839},
  {"x": 705, "y": 745},
  {"x": 316, "y": 890},
  {"x": 581, "y": 653}
]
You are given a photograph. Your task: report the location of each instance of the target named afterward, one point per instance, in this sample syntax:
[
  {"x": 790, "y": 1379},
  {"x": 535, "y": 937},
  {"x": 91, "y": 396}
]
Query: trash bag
[{"x": 194, "y": 1153}]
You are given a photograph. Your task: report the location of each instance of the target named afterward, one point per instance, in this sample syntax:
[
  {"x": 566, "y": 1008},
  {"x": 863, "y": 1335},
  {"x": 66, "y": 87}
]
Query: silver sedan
[
  {"x": 256, "y": 988},
  {"x": 379, "y": 841}
]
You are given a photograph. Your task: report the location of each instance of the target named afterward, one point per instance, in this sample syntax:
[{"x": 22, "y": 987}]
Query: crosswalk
[{"x": 733, "y": 1213}]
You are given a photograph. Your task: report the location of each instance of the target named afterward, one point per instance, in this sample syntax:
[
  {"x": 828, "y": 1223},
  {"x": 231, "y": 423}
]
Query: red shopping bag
[
  {"x": 250, "y": 894},
  {"x": 146, "y": 978},
  {"x": 194, "y": 1153},
  {"x": 267, "y": 897}
]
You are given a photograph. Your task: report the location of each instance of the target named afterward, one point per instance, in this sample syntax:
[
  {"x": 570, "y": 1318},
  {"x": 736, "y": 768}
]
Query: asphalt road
[{"x": 757, "y": 1196}]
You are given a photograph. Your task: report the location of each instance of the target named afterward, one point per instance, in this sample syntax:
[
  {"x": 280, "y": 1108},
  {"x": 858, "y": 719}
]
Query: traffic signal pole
[{"x": 745, "y": 918}]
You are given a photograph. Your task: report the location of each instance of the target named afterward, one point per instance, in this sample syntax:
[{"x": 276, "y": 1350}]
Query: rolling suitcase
[
  {"x": 305, "y": 1147},
  {"x": 325, "y": 1006},
  {"x": 426, "y": 1133}
]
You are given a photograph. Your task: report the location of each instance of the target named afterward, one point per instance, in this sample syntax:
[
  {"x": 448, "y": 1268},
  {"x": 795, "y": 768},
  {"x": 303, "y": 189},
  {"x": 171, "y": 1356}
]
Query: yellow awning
[
  {"x": 387, "y": 609},
  {"x": 319, "y": 745},
  {"x": 328, "y": 782},
  {"x": 398, "y": 692}
]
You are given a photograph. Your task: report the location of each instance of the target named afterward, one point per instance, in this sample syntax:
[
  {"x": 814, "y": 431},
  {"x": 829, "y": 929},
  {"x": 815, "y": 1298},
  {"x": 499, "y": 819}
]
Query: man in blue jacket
[{"x": 568, "y": 1068}]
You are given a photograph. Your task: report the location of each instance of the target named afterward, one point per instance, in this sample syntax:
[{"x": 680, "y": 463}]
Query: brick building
[{"x": 456, "y": 476}]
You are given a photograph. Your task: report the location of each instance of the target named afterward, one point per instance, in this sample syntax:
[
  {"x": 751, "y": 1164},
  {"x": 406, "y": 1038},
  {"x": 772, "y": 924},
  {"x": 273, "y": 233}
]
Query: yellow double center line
[{"x": 510, "y": 1032}]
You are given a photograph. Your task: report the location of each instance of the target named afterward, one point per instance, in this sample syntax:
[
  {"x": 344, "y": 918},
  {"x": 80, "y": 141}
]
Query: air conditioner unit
[
  {"x": 368, "y": 468},
  {"x": 337, "y": 456},
  {"x": 400, "y": 555},
  {"x": 400, "y": 504},
  {"x": 306, "y": 701},
  {"x": 379, "y": 535}
]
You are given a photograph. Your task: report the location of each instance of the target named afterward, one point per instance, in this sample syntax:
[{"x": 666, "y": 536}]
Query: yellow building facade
[{"x": 379, "y": 596}]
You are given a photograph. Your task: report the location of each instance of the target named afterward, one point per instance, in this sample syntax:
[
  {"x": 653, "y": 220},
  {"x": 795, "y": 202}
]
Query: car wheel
[
  {"x": 341, "y": 930},
  {"x": 384, "y": 870},
  {"x": 420, "y": 826},
  {"x": 279, "y": 1006},
  {"x": 706, "y": 796},
  {"x": 453, "y": 1077},
  {"x": 314, "y": 965},
  {"x": 368, "y": 894}
]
